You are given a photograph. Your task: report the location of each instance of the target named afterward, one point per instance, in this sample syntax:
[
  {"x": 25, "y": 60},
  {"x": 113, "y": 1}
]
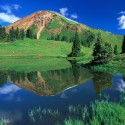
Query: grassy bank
[
  {"x": 29, "y": 65},
  {"x": 103, "y": 113},
  {"x": 115, "y": 66}
]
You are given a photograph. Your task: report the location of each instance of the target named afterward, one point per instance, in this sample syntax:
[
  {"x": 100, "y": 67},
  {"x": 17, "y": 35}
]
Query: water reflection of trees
[
  {"x": 101, "y": 81},
  {"x": 76, "y": 71},
  {"x": 55, "y": 81},
  {"x": 3, "y": 77},
  {"x": 47, "y": 82}
]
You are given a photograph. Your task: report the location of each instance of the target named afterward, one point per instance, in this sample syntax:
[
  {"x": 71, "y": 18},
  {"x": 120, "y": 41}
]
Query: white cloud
[
  {"x": 64, "y": 12},
  {"x": 121, "y": 20},
  {"x": 75, "y": 16},
  {"x": 9, "y": 18},
  {"x": 118, "y": 83},
  {"x": 8, "y": 89},
  {"x": 9, "y": 8}
]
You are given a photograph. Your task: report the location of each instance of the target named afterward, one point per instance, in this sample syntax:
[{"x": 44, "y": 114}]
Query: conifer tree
[
  {"x": 123, "y": 45},
  {"x": 2, "y": 33},
  {"x": 98, "y": 49},
  {"x": 29, "y": 33},
  {"x": 8, "y": 37},
  {"x": 17, "y": 33},
  {"x": 22, "y": 34},
  {"x": 102, "y": 52},
  {"x": 64, "y": 38},
  {"x": 115, "y": 50},
  {"x": 12, "y": 34},
  {"x": 76, "y": 47}
]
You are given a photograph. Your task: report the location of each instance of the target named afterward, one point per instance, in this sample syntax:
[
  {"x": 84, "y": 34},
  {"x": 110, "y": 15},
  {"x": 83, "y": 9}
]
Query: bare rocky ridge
[{"x": 40, "y": 19}]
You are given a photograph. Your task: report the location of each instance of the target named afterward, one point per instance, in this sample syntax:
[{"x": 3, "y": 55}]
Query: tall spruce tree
[
  {"x": 29, "y": 33},
  {"x": 123, "y": 45},
  {"x": 12, "y": 34},
  {"x": 76, "y": 47},
  {"x": 8, "y": 37},
  {"x": 64, "y": 38},
  {"x": 102, "y": 52},
  {"x": 17, "y": 33},
  {"x": 3, "y": 34},
  {"x": 97, "y": 49},
  {"x": 22, "y": 34},
  {"x": 115, "y": 50}
]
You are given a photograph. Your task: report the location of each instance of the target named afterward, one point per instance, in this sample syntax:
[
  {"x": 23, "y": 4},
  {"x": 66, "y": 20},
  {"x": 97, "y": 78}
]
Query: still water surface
[{"x": 53, "y": 89}]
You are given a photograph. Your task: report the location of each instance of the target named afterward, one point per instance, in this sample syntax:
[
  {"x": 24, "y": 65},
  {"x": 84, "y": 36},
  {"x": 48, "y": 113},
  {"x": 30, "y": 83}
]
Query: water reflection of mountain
[
  {"x": 46, "y": 82},
  {"x": 55, "y": 81}
]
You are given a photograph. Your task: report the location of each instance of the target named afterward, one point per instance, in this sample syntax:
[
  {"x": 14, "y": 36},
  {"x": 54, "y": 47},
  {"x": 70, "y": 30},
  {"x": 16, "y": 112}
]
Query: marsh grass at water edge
[{"x": 101, "y": 112}]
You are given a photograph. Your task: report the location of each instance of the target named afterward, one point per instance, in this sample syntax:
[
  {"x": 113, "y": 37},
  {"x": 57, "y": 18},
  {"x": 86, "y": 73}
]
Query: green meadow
[
  {"x": 30, "y": 54},
  {"x": 33, "y": 64},
  {"x": 31, "y": 48}
]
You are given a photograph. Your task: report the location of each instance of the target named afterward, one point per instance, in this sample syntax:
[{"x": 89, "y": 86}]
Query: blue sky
[{"x": 107, "y": 15}]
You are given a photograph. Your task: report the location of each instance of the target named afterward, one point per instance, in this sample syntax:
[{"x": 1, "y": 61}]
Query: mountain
[
  {"x": 53, "y": 26},
  {"x": 43, "y": 20}
]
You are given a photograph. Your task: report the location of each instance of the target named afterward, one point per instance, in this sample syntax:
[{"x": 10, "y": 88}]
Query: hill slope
[{"x": 53, "y": 26}]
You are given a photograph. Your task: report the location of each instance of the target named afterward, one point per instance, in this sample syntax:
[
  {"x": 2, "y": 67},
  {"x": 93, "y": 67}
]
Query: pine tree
[
  {"x": 102, "y": 52},
  {"x": 8, "y": 37},
  {"x": 29, "y": 33},
  {"x": 2, "y": 33},
  {"x": 64, "y": 38},
  {"x": 97, "y": 50},
  {"x": 17, "y": 33},
  {"x": 123, "y": 45},
  {"x": 52, "y": 37},
  {"x": 58, "y": 38},
  {"x": 76, "y": 47},
  {"x": 115, "y": 50},
  {"x": 22, "y": 34},
  {"x": 12, "y": 34}
]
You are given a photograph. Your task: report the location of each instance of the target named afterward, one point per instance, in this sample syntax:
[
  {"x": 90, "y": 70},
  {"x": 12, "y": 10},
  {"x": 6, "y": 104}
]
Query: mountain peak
[{"x": 39, "y": 18}]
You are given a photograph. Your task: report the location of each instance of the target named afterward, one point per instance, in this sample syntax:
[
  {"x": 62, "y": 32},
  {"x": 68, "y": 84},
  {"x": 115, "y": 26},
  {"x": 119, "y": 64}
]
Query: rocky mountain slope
[
  {"x": 51, "y": 25},
  {"x": 40, "y": 19}
]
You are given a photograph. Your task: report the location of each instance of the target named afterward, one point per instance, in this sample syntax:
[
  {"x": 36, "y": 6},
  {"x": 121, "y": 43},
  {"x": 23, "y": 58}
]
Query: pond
[{"x": 56, "y": 89}]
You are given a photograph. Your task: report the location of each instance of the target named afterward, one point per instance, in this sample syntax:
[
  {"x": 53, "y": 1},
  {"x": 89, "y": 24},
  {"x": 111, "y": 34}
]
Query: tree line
[
  {"x": 16, "y": 34},
  {"x": 87, "y": 38},
  {"x": 102, "y": 52}
]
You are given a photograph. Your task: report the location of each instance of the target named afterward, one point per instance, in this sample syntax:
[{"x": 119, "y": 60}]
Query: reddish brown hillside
[{"x": 40, "y": 19}]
